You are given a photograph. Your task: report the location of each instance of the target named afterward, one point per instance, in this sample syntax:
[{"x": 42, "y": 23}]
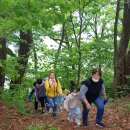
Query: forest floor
[{"x": 116, "y": 117}]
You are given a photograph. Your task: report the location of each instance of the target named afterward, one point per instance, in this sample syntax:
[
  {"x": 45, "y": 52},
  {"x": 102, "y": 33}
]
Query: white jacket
[{"x": 71, "y": 101}]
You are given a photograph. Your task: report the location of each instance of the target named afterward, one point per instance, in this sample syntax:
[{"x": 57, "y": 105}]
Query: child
[
  {"x": 41, "y": 93},
  {"x": 71, "y": 104}
]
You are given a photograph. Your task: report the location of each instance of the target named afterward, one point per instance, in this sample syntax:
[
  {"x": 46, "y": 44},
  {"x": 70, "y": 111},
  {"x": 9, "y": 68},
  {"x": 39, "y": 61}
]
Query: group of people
[
  {"x": 92, "y": 90},
  {"x": 48, "y": 92}
]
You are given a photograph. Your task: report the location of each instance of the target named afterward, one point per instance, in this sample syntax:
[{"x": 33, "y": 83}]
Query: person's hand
[
  {"x": 66, "y": 109},
  {"x": 53, "y": 81},
  {"x": 88, "y": 106},
  {"x": 105, "y": 101}
]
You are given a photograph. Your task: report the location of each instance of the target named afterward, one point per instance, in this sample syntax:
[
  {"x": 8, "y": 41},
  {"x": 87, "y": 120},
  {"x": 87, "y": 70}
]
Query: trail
[{"x": 116, "y": 117}]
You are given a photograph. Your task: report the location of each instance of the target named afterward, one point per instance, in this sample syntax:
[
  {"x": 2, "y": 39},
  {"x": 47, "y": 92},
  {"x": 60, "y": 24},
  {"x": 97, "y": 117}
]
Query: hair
[
  {"x": 96, "y": 70},
  {"x": 78, "y": 89},
  {"x": 34, "y": 84},
  {"x": 73, "y": 86},
  {"x": 39, "y": 80},
  {"x": 63, "y": 88},
  {"x": 52, "y": 72}
]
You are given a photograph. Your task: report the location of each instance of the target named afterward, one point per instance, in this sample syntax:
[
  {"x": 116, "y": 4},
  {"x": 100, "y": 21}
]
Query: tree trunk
[
  {"x": 115, "y": 46},
  {"x": 24, "y": 48},
  {"x": 2, "y": 58},
  {"x": 60, "y": 45},
  {"x": 127, "y": 68},
  {"x": 122, "y": 51},
  {"x": 35, "y": 60},
  {"x": 79, "y": 45}
]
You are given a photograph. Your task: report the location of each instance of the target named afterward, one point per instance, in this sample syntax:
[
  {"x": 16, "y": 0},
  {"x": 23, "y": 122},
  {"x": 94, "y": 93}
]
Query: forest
[{"x": 71, "y": 38}]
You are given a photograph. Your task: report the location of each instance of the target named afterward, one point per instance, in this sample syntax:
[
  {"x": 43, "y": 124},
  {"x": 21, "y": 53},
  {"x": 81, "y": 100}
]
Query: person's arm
[
  {"x": 47, "y": 86},
  {"x": 82, "y": 94},
  {"x": 31, "y": 94}
]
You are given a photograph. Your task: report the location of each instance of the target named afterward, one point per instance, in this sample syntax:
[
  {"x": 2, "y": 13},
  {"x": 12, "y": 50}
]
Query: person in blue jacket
[{"x": 31, "y": 94}]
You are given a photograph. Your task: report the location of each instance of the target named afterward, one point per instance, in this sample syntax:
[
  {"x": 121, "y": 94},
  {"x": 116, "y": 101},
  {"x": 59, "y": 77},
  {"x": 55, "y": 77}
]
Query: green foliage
[
  {"x": 46, "y": 19},
  {"x": 16, "y": 98},
  {"x": 40, "y": 127},
  {"x": 122, "y": 90}
]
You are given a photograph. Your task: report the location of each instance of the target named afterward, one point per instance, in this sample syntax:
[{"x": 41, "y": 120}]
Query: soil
[{"x": 116, "y": 117}]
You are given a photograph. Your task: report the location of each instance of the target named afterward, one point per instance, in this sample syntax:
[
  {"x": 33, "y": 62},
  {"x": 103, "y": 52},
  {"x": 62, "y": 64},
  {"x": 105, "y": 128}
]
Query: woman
[
  {"x": 90, "y": 92},
  {"x": 53, "y": 88}
]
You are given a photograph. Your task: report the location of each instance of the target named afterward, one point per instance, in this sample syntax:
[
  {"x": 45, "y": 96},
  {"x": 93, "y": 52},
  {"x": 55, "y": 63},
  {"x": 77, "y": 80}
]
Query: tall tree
[
  {"x": 115, "y": 45},
  {"x": 2, "y": 59},
  {"x": 24, "y": 48},
  {"x": 123, "y": 46}
]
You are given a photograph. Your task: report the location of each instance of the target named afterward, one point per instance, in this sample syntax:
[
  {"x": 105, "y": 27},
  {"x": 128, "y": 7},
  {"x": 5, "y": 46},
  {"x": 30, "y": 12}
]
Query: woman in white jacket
[{"x": 71, "y": 104}]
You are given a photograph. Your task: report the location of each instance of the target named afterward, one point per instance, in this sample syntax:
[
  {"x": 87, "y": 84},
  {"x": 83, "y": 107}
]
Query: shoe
[
  {"x": 78, "y": 122},
  {"x": 100, "y": 124},
  {"x": 50, "y": 110},
  {"x": 60, "y": 108},
  {"x": 43, "y": 111},
  {"x": 47, "y": 108},
  {"x": 53, "y": 114},
  {"x": 70, "y": 119},
  {"x": 84, "y": 123}
]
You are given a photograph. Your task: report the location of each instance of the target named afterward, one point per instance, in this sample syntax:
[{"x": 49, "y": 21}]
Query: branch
[
  {"x": 10, "y": 32},
  {"x": 57, "y": 39},
  {"x": 103, "y": 26},
  {"x": 73, "y": 27},
  {"x": 62, "y": 38},
  {"x": 95, "y": 31}
]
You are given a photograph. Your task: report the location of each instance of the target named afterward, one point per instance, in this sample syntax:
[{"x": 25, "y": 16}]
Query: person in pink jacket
[{"x": 71, "y": 104}]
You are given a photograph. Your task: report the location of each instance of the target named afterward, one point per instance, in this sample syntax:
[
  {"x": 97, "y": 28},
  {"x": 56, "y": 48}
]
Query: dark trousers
[
  {"x": 35, "y": 104},
  {"x": 42, "y": 101}
]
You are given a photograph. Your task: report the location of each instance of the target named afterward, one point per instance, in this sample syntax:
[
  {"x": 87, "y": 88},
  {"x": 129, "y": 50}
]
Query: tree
[
  {"x": 23, "y": 54},
  {"x": 2, "y": 60},
  {"x": 123, "y": 46},
  {"x": 115, "y": 46}
]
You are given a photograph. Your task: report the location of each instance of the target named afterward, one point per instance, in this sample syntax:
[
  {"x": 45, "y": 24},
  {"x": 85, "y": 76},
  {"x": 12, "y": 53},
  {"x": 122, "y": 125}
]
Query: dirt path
[{"x": 116, "y": 117}]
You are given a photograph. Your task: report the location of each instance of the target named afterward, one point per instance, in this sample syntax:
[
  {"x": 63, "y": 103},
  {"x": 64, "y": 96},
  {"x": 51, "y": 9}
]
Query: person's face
[
  {"x": 96, "y": 76},
  {"x": 52, "y": 76},
  {"x": 75, "y": 91}
]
